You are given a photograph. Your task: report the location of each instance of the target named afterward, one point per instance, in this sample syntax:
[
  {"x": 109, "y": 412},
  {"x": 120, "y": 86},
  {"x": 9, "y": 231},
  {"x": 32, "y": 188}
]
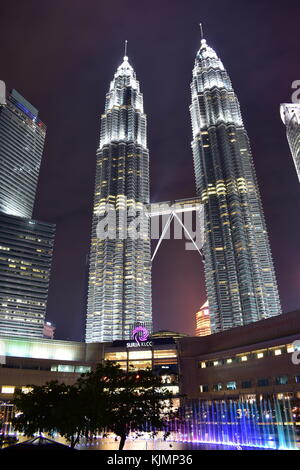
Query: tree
[
  {"x": 53, "y": 407},
  {"x": 106, "y": 399},
  {"x": 138, "y": 403},
  {"x": 133, "y": 401},
  {"x": 71, "y": 420},
  {"x": 34, "y": 409},
  {"x": 94, "y": 391}
]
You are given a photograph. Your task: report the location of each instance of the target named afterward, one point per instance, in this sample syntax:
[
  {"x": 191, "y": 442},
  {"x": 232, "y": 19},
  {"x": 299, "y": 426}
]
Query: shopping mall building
[{"x": 260, "y": 359}]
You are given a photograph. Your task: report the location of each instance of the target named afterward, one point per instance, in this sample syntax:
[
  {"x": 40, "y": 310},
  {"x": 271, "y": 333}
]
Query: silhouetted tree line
[{"x": 105, "y": 400}]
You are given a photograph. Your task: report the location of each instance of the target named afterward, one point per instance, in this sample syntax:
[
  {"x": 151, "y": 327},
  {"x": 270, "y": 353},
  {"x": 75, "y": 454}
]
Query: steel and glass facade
[
  {"x": 119, "y": 294},
  {"x": 240, "y": 278},
  {"x": 26, "y": 245},
  {"x": 290, "y": 115},
  {"x": 26, "y": 248},
  {"x": 22, "y": 137}
]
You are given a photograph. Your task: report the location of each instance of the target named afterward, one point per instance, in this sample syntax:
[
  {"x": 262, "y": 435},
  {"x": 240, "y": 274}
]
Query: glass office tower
[
  {"x": 22, "y": 137},
  {"x": 290, "y": 115},
  {"x": 240, "y": 278},
  {"x": 26, "y": 248},
  {"x": 26, "y": 245},
  {"x": 119, "y": 293}
]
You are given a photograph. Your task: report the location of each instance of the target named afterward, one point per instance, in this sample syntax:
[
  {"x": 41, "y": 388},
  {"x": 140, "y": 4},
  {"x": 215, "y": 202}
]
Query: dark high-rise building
[
  {"x": 240, "y": 278},
  {"x": 120, "y": 264},
  {"x": 25, "y": 261},
  {"x": 290, "y": 115},
  {"x": 22, "y": 137},
  {"x": 26, "y": 245}
]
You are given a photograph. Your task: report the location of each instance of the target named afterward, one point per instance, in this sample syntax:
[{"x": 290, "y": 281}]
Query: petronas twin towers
[
  {"x": 120, "y": 263},
  {"x": 240, "y": 278},
  {"x": 239, "y": 273}
]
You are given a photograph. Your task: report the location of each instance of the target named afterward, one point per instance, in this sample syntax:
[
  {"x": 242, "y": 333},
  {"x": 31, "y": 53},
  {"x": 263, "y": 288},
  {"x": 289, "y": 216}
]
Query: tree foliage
[
  {"x": 134, "y": 401},
  {"x": 106, "y": 399},
  {"x": 53, "y": 407}
]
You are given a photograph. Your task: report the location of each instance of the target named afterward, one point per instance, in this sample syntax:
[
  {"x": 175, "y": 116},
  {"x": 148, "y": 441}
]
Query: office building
[
  {"x": 22, "y": 137},
  {"x": 26, "y": 245},
  {"x": 290, "y": 115},
  {"x": 26, "y": 248},
  {"x": 203, "y": 321}
]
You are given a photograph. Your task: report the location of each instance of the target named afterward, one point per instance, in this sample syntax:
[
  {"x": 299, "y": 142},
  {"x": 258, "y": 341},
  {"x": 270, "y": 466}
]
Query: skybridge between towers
[{"x": 176, "y": 209}]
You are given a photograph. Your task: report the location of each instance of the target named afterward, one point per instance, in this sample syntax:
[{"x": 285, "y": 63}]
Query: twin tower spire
[{"x": 240, "y": 278}]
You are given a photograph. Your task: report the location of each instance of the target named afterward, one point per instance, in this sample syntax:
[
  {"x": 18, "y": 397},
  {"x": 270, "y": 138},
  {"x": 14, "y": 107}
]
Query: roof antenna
[
  {"x": 201, "y": 30},
  {"x": 125, "y": 48}
]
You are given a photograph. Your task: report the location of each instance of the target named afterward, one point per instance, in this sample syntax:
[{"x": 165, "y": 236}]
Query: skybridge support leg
[
  {"x": 189, "y": 235},
  {"x": 163, "y": 234}
]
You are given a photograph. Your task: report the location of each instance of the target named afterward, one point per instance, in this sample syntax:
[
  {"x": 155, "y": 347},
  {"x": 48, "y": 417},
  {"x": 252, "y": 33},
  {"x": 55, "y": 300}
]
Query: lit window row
[
  {"x": 245, "y": 384},
  {"x": 247, "y": 356},
  {"x": 70, "y": 368},
  {"x": 143, "y": 354},
  {"x": 10, "y": 389}
]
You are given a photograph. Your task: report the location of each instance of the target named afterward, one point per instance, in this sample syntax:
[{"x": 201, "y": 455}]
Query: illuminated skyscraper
[
  {"x": 26, "y": 248},
  {"x": 240, "y": 278},
  {"x": 26, "y": 245},
  {"x": 203, "y": 321},
  {"x": 120, "y": 265},
  {"x": 22, "y": 137},
  {"x": 290, "y": 115}
]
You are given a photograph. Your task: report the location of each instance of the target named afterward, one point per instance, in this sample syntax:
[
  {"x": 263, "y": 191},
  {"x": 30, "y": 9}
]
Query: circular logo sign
[{"x": 140, "y": 333}]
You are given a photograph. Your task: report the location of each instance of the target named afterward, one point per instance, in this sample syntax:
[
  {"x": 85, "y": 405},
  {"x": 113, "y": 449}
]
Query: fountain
[
  {"x": 252, "y": 423},
  {"x": 247, "y": 423}
]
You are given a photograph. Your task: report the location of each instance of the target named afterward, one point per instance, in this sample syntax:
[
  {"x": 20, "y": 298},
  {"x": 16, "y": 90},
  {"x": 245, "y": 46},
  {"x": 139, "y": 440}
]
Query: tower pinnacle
[
  {"x": 125, "y": 50},
  {"x": 203, "y": 41},
  {"x": 201, "y": 30}
]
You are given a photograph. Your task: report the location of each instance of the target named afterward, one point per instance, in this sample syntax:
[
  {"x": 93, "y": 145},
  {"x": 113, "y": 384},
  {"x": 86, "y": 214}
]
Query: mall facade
[{"x": 257, "y": 360}]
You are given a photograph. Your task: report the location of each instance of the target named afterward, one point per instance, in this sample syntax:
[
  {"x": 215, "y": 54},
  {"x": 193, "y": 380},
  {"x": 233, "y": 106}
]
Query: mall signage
[{"x": 140, "y": 334}]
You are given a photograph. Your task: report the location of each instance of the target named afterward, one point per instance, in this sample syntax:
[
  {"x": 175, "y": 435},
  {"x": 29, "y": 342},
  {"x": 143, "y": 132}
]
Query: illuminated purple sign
[{"x": 139, "y": 334}]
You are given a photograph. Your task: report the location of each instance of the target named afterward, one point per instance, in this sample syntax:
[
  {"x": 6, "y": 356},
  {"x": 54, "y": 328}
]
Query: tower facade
[
  {"x": 22, "y": 137},
  {"x": 119, "y": 294},
  {"x": 26, "y": 248},
  {"x": 239, "y": 273},
  {"x": 290, "y": 115},
  {"x": 26, "y": 245}
]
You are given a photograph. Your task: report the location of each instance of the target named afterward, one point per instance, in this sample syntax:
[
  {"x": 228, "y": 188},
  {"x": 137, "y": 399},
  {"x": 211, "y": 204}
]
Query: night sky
[{"x": 61, "y": 56}]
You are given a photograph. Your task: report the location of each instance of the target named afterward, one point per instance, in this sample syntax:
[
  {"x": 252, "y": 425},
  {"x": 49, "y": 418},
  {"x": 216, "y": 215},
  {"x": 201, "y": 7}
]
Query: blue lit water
[
  {"x": 231, "y": 424},
  {"x": 159, "y": 444}
]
